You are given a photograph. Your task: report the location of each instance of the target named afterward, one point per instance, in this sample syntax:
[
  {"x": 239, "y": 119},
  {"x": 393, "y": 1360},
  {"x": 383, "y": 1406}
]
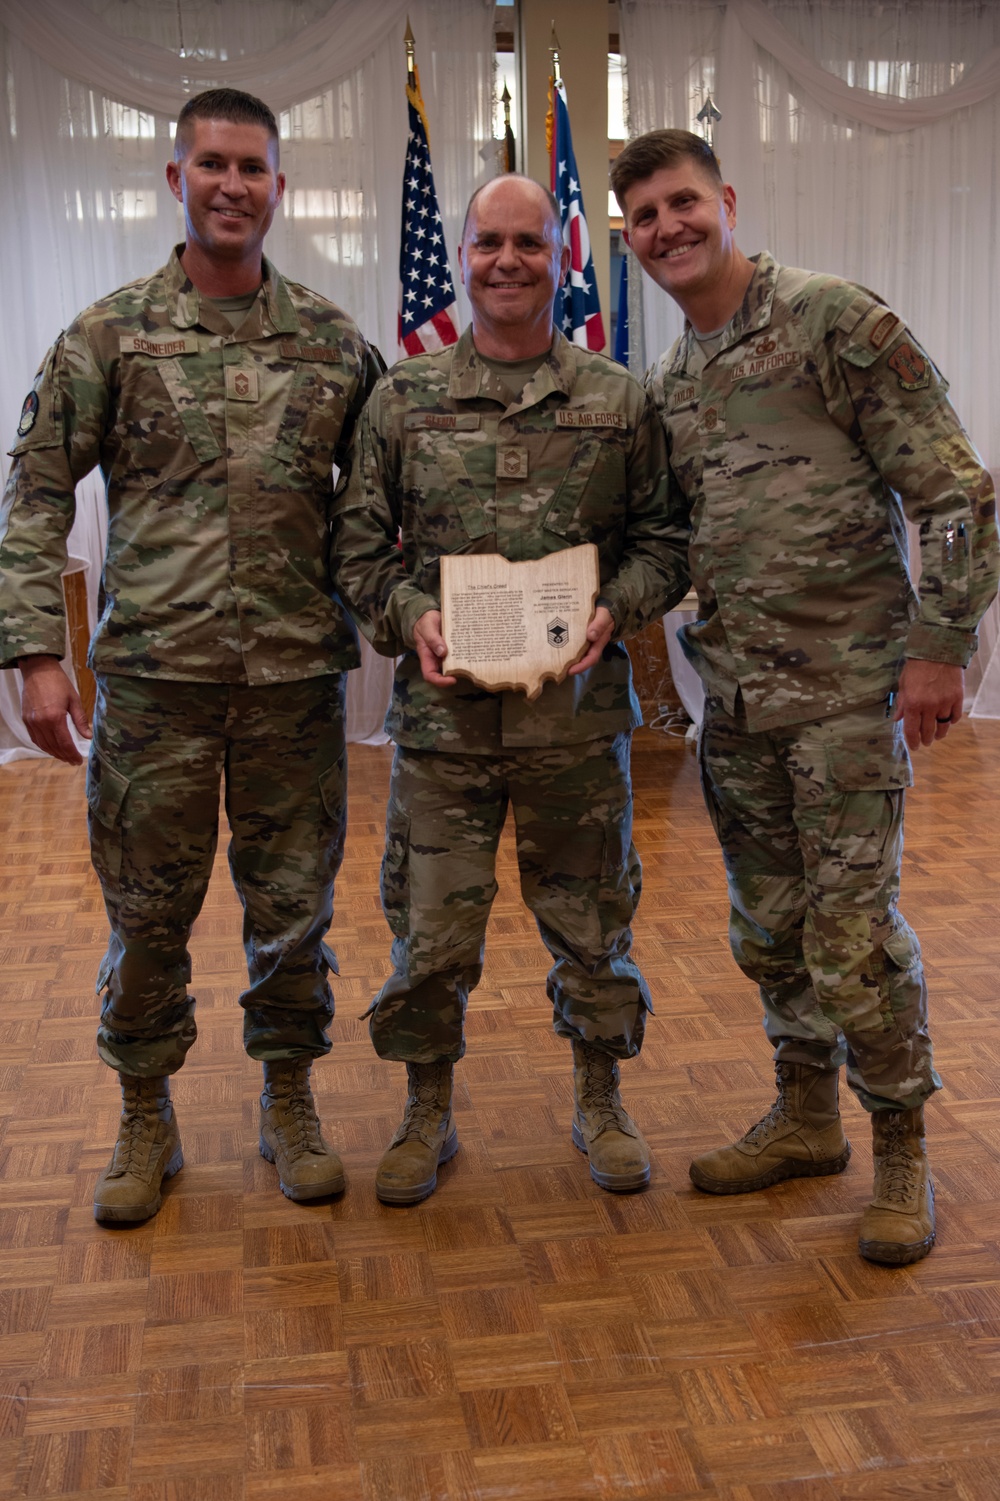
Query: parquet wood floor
[{"x": 520, "y": 1335}]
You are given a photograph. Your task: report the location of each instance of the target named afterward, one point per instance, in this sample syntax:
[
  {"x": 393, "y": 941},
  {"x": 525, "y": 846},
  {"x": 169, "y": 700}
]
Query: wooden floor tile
[{"x": 521, "y": 1334}]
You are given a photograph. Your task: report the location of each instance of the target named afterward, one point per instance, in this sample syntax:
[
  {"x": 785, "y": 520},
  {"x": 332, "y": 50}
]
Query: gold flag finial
[
  {"x": 554, "y": 50},
  {"x": 410, "y": 43}
]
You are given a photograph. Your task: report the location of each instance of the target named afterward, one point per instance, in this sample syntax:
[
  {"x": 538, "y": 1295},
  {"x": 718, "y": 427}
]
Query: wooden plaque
[{"x": 517, "y": 625}]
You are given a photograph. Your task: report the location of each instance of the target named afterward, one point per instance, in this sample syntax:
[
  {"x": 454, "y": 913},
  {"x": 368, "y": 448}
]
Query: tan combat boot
[
  {"x": 801, "y": 1136},
  {"x": 427, "y": 1137},
  {"x": 290, "y": 1135},
  {"x": 602, "y": 1127},
  {"x": 898, "y": 1225},
  {"x": 148, "y": 1150}
]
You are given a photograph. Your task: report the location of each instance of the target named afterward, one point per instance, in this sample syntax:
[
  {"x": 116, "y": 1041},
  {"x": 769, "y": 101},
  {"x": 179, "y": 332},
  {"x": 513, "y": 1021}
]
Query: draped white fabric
[
  {"x": 861, "y": 139},
  {"x": 84, "y": 205}
]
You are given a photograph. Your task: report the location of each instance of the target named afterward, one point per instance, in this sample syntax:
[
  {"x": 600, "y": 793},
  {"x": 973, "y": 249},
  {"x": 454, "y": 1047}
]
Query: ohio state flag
[{"x": 581, "y": 311}]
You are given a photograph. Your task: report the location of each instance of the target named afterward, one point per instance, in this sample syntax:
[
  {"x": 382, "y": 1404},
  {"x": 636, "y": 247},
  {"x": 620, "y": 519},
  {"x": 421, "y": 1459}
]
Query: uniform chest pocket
[
  {"x": 167, "y": 432},
  {"x": 450, "y": 473},
  {"x": 318, "y": 403},
  {"x": 589, "y": 503}
]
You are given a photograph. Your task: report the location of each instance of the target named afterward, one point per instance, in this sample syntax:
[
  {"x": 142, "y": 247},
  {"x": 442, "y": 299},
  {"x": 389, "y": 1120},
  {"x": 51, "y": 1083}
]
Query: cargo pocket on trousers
[
  {"x": 106, "y": 793},
  {"x": 902, "y": 949},
  {"x": 863, "y": 832},
  {"x": 396, "y": 870},
  {"x": 900, "y": 978}
]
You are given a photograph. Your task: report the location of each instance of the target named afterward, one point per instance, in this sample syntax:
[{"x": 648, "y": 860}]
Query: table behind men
[{"x": 215, "y": 397}]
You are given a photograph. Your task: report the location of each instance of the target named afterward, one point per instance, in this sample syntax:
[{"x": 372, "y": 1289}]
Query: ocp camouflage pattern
[
  {"x": 216, "y": 449},
  {"x": 810, "y": 819},
  {"x": 587, "y": 464},
  {"x": 159, "y": 751},
  {"x": 787, "y": 447},
  {"x": 580, "y": 876}
]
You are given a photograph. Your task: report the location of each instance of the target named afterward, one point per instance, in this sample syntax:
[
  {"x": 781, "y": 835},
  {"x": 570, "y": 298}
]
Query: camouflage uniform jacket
[
  {"x": 216, "y": 450},
  {"x": 444, "y": 462},
  {"x": 789, "y": 445}
]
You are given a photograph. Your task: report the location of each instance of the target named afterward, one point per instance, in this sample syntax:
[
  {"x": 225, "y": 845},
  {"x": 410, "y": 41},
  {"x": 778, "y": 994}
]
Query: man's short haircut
[
  {"x": 660, "y": 148},
  {"x": 222, "y": 104},
  {"x": 550, "y": 199}
]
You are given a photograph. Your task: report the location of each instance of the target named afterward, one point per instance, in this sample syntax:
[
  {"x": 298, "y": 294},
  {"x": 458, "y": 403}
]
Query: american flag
[
  {"x": 428, "y": 317},
  {"x": 581, "y": 320}
]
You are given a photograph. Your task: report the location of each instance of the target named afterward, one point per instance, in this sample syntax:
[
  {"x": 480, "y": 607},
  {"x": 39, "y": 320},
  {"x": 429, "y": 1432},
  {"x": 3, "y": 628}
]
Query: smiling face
[
  {"x": 680, "y": 226},
  {"x": 513, "y": 262},
  {"x": 230, "y": 186}
]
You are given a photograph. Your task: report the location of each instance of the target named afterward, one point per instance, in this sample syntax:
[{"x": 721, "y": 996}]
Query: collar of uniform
[
  {"x": 468, "y": 371},
  {"x": 753, "y": 314},
  {"x": 185, "y": 309}
]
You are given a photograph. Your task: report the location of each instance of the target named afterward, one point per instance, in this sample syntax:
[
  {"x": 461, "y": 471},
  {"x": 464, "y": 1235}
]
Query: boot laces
[
  {"x": 304, "y": 1133},
  {"x": 300, "y": 1123},
  {"x": 896, "y": 1165},
  {"x": 604, "y": 1107},
  {"x": 424, "y": 1111},
  {"x": 135, "y": 1141},
  {"x": 775, "y": 1117}
]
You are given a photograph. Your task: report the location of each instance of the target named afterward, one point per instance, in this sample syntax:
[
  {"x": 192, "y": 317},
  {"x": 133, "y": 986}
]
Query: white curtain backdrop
[
  {"x": 862, "y": 139},
  {"x": 92, "y": 88}
]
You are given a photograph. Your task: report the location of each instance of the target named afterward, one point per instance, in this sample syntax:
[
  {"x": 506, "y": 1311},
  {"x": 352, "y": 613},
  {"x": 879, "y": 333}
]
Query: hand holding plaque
[{"x": 517, "y": 625}]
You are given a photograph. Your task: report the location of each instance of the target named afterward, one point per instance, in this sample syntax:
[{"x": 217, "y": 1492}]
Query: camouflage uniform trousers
[
  {"x": 580, "y": 875},
  {"x": 159, "y": 751},
  {"x": 810, "y": 819}
]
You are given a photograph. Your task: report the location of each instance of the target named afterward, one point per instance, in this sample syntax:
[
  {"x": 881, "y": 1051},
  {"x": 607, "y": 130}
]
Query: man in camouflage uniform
[
  {"x": 215, "y": 397},
  {"x": 513, "y": 441},
  {"x": 798, "y": 407}
]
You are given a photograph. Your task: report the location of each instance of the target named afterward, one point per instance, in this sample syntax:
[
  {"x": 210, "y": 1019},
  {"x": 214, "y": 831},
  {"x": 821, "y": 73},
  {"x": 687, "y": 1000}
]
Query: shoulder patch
[
  {"x": 29, "y": 413},
  {"x": 886, "y": 327},
  {"x": 912, "y": 369}
]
